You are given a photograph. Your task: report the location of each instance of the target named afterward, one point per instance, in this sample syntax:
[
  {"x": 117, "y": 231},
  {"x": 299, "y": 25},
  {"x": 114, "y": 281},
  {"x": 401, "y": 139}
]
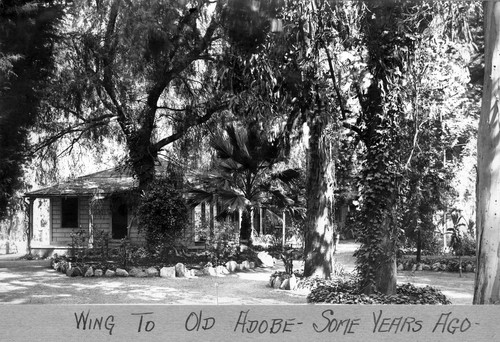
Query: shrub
[
  {"x": 449, "y": 263},
  {"x": 79, "y": 244},
  {"x": 343, "y": 291},
  {"x": 223, "y": 245},
  {"x": 162, "y": 213},
  {"x": 101, "y": 244}
]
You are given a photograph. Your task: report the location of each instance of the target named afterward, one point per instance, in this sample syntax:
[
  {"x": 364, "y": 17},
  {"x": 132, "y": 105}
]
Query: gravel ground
[{"x": 33, "y": 282}]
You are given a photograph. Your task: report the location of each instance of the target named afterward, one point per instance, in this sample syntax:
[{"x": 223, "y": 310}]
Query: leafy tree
[
  {"x": 27, "y": 35},
  {"x": 140, "y": 70},
  {"x": 403, "y": 121},
  {"x": 307, "y": 95}
]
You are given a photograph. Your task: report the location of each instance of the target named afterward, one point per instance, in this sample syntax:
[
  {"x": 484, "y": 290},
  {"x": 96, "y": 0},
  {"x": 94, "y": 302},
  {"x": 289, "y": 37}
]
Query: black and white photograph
[{"x": 238, "y": 153}]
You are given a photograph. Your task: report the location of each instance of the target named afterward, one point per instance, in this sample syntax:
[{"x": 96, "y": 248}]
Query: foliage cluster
[
  {"x": 224, "y": 245},
  {"x": 80, "y": 251},
  {"x": 448, "y": 264},
  {"x": 162, "y": 213},
  {"x": 430, "y": 243},
  {"x": 27, "y": 35},
  {"x": 347, "y": 292}
]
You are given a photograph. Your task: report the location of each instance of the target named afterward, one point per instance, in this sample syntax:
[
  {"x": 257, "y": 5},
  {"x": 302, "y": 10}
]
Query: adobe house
[{"x": 102, "y": 201}]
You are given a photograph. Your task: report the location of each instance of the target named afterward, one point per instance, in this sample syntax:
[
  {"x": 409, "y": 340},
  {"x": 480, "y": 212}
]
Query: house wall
[
  {"x": 102, "y": 220},
  {"x": 101, "y": 213},
  {"x": 60, "y": 236},
  {"x": 134, "y": 234}
]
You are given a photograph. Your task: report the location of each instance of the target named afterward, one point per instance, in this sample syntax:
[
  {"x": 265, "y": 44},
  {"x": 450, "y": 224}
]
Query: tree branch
[
  {"x": 199, "y": 120},
  {"x": 82, "y": 128},
  {"x": 352, "y": 127},
  {"x": 108, "y": 61}
]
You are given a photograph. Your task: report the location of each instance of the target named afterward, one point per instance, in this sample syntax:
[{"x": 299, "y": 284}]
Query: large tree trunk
[
  {"x": 487, "y": 285},
  {"x": 246, "y": 226},
  {"x": 419, "y": 246},
  {"x": 376, "y": 258},
  {"x": 319, "y": 235},
  {"x": 143, "y": 155}
]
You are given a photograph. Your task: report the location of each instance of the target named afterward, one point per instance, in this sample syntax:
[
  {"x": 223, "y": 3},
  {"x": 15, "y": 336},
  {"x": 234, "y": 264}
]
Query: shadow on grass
[{"x": 33, "y": 282}]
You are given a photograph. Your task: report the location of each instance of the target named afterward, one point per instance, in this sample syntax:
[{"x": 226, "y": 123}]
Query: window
[{"x": 69, "y": 212}]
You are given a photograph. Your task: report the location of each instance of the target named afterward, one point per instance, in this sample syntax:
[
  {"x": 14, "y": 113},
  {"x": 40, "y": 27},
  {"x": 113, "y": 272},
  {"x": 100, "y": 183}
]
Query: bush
[
  {"x": 79, "y": 244},
  {"x": 162, "y": 213},
  {"x": 343, "y": 291},
  {"x": 448, "y": 263},
  {"x": 468, "y": 245}
]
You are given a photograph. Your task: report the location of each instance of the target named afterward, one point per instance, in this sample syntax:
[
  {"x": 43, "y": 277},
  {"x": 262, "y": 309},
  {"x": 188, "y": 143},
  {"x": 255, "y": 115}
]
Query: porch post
[
  {"x": 239, "y": 219},
  {"x": 91, "y": 224},
  {"x": 192, "y": 218},
  {"x": 252, "y": 222},
  {"x": 260, "y": 220},
  {"x": 212, "y": 219},
  {"x": 31, "y": 202},
  {"x": 284, "y": 228}
]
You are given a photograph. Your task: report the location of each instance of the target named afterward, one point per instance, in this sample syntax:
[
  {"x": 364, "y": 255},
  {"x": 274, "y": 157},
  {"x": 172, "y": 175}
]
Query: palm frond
[
  {"x": 288, "y": 177},
  {"x": 222, "y": 147},
  {"x": 232, "y": 200},
  {"x": 197, "y": 196}
]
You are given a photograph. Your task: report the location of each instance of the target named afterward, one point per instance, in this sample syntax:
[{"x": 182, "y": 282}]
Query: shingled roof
[{"x": 116, "y": 180}]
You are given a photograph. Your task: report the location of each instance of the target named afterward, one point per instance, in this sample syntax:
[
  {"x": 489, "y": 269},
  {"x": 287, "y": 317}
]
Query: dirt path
[
  {"x": 33, "y": 282},
  {"x": 459, "y": 290}
]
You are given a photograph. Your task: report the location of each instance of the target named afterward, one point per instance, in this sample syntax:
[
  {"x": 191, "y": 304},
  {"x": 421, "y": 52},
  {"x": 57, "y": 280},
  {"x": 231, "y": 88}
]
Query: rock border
[{"x": 179, "y": 270}]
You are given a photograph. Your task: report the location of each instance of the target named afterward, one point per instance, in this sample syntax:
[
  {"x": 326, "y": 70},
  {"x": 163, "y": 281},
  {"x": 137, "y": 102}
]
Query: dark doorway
[{"x": 119, "y": 220}]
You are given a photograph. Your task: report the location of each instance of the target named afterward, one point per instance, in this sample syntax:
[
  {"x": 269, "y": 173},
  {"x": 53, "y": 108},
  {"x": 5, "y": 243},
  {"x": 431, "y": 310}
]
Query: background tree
[
  {"x": 27, "y": 36},
  {"x": 136, "y": 70},
  {"x": 487, "y": 287}
]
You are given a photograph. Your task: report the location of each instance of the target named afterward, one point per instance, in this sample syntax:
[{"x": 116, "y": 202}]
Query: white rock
[
  {"x": 285, "y": 285},
  {"x": 210, "y": 271},
  {"x": 245, "y": 265},
  {"x": 266, "y": 259},
  {"x": 90, "y": 272},
  {"x": 293, "y": 282},
  {"x": 231, "y": 266},
  {"x": 120, "y": 272},
  {"x": 180, "y": 270},
  {"x": 277, "y": 282},
  {"x": 152, "y": 272},
  {"x": 221, "y": 270},
  {"x": 167, "y": 272},
  {"x": 137, "y": 272}
]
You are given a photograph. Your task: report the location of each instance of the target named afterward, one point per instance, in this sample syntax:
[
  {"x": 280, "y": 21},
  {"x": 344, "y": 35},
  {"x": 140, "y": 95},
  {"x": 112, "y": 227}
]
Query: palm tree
[{"x": 242, "y": 177}]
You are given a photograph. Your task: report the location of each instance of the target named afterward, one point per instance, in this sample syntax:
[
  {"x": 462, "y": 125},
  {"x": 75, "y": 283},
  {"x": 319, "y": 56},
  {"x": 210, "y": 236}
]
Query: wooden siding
[
  {"x": 101, "y": 221},
  {"x": 102, "y": 217},
  {"x": 61, "y": 236}
]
